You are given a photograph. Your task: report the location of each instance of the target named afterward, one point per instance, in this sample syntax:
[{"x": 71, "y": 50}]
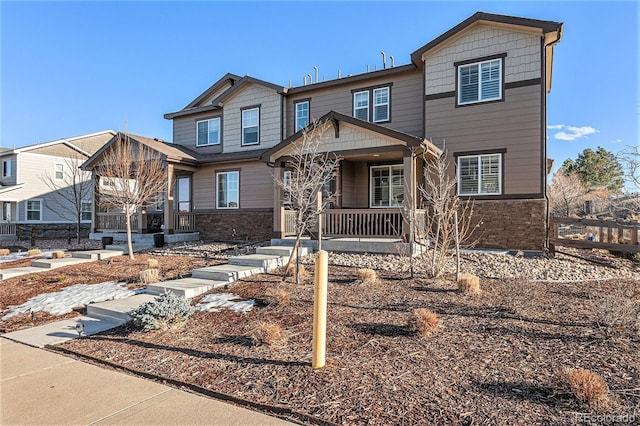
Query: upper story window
[
  {"x": 6, "y": 168},
  {"x": 480, "y": 82},
  {"x": 251, "y": 126},
  {"x": 228, "y": 190},
  {"x": 302, "y": 115},
  {"x": 373, "y": 104},
  {"x": 480, "y": 174},
  {"x": 58, "y": 171},
  {"x": 208, "y": 132},
  {"x": 34, "y": 210}
]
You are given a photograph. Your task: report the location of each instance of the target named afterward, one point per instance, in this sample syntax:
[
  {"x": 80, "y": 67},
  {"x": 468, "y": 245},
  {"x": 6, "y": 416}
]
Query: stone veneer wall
[
  {"x": 51, "y": 230},
  {"x": 511, "y": 224},
  {"x": 235, "y": 225}
]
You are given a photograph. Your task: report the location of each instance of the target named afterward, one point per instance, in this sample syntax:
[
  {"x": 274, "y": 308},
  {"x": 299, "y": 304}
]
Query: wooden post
[
  {"x": 409, "y": 169},
  {"x": 455, "y": 230},
  {"x": 168, "y": 202},
  {"x": 318, "y": 355},
  {"x": 278, "y": 208}
]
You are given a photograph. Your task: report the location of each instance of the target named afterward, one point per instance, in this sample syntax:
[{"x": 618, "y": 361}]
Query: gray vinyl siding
[
  {"x": 10, "y": 180},
  {"x": 514, "y": 124},
  {"x": 256, "y": 185},
  {"x": 184, "y": 132},
  {"x": 406, "y": 101}
]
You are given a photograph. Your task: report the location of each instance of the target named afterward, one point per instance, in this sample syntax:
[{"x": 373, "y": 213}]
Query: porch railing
[
  {"x": 115, "y": 222},
  {"x": 7, "y": 229},
  {"x": 289, "y": 222},
  {"x": 184, "y": 222},
  {"x": 362, "y": 223}
]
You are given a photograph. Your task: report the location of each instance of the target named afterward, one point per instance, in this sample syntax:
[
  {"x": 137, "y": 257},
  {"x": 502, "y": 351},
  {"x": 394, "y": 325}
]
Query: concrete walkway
[{"x": 41, "y": 387}]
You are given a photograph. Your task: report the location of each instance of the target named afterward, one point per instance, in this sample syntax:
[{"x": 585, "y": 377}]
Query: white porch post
[
  {"x": 278, "y": 208},
  {"x": 168, "y": 202},
  {"x": 96, "y": 199}
]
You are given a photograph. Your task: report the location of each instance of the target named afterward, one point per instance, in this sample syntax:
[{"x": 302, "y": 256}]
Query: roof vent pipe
[
  {"x": 384, "y": 59},
  {"x": 393, "y": 61},
  {"x": 310, "y": 78},
  {"x": 316, "y": 69},
  {"x": 367, "y": 67},
  {"x": 305, "y": 80},
  {"x": 289, "y": 84},
  {"x": 339, "y": 73}
]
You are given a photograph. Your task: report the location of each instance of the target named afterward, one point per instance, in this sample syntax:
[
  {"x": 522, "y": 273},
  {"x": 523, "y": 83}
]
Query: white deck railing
[{"x": 362, "y": 223}]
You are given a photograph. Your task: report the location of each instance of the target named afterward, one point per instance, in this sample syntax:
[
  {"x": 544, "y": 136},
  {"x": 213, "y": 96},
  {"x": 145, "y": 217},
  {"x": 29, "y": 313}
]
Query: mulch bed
[{"x": 496, "y": 358}]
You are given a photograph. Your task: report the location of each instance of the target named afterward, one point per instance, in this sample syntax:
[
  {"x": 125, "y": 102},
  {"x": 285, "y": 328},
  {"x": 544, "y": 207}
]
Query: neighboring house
[
  {"x": 478, "y": 92},
  {"x": 25, "y": 198}
]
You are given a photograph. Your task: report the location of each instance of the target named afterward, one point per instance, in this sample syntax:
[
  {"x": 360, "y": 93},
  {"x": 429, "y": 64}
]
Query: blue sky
[{"x": 80, "y": 67}]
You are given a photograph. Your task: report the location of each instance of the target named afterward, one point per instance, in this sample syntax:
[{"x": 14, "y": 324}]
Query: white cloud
[
  {"x": 571, "y": 133},
  {"x": 617, "y": 141}
]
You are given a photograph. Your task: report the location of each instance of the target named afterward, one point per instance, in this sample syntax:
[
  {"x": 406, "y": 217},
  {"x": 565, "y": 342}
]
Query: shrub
[
  {"x": 61, "y": 278},
  {"x": 588, "y": 387},
  {"x": 152, "y": 263},
  {"x": 57, "y": 255},
  {"x": 291, "y": 271},
  {"x": 33, "y": 252},
  {"x": 469, "y": 283},
  {"x": 4, "y": 252},
  {"x": 268, "y": 333},
  {"x": 168, "y": 310},
  {"x": 277, "y": 297},
  {"x": 423, "y": 322},
  {"x": 367, "y": 275},
  {"x": 149, "y": 276},
  {"x": 616, "y": 313}
]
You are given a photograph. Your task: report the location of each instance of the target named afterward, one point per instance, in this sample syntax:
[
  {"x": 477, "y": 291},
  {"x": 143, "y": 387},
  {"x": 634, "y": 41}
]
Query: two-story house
[
  {"x": 35, "y": 182},
  {"x": 477, "y": 92}
]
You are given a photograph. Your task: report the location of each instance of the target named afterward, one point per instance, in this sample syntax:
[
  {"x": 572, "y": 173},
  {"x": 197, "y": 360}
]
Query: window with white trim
[
  {"x": 86, "y": 208},
  {"x": 208, "y": 132},
  {"x": 183, "y": 194},
  {"x": 361, "y": 105},
  {"x": 387, "y": 186},
  {"x": 34, "y": 210},
  {"x": 480, "y": 82},
  {"x": 480, "y": 174},
  {"x": 381, "y": 104},
  {"x": 58, "y": 171},
  {"x": 6, "y": 211},
  {"x": 302, "y": 115},
  {"x": 228, "y": 190},
  {"x": 6, "y": 168},
  {"x": 251, "y": 126}
]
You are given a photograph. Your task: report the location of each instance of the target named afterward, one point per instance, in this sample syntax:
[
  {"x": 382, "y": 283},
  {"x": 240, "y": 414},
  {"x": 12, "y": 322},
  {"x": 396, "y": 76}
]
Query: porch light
[{"x": 375, "y": 155}]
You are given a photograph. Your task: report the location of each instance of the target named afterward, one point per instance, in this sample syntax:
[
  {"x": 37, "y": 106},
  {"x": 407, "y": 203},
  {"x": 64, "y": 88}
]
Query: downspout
[{"x": 544, "y": 135}]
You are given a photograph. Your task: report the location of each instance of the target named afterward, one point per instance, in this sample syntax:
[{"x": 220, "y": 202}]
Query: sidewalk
[{"x": 41, "y": 387}]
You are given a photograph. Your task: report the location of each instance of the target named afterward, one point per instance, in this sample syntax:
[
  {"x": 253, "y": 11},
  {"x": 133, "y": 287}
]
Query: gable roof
[
  {"x": 174, "y": 153},
  {"x": 217, "y": 102},
  {"x": 83, "y": 144},
  {"x": 335, "y": 117},
  {"x": 544, "y": 26},
  {"x": 232, "y": 78}
]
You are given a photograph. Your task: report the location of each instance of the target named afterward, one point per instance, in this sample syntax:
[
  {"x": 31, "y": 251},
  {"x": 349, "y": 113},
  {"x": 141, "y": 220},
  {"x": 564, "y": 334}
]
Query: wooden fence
[{"x": 593, "y": 233}]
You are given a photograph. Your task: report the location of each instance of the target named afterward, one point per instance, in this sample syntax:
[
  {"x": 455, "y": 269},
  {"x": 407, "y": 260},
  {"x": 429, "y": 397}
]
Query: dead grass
[
  {"x": 149, "y": 276},
  {"x": 277, "y": 297},
  {"x": 617, "y": 313},
  {"x": 588, "y": 387},
  {"x": 291, "y": 271},
  {"x": 4, "y": 252},
  {"x": 469, "y": 283},
  {"x": 152, "y": 263},
  {"x": 367, "y": 275},
  {"x": 423, "y": 322},
  {"x": 57, "y": 255},
  {"x": 34, "y": 252},
  {"x": 268, "y": 333}
]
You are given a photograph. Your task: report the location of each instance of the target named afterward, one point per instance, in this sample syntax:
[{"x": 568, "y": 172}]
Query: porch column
[
  {"x": 96, "y": 198},
  {"x": 278, "y": 208},
  {"x": 409, "y": 168},
  {"x": 168, "y": 203}
]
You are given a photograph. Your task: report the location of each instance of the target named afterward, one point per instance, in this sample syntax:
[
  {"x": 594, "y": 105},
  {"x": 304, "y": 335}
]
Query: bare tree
[
  {"x": 630, "y": 160},
  {"x": 73, "y": 188},
  {"x": 451, "y": 221},
  {"x": 566, "y": 193},
  {"x": 311, "y": 172},
  {"x": 132, "y": 177}
]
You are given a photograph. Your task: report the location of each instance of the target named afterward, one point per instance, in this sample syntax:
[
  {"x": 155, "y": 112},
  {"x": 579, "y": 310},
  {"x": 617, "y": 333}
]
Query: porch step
[
  {"x": 226, "y": 273},
  {"x": 56, "y": 263},
  {"x": 124, "y": 249},
  {"x": 5, "y": 274},
  {"x": 282, "y": 251},
  {"x": 118, "y": 309},
  {"x": 185, "y": 287},
  {"x": 264, "y": 261},
  {"x": 312, "y": 245},
  {"x": 96, "y": 254}
]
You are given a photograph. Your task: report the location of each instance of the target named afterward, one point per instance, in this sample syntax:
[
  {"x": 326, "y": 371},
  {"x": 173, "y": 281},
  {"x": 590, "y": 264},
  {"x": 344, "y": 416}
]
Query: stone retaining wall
[{"x": 236, "y": 225}]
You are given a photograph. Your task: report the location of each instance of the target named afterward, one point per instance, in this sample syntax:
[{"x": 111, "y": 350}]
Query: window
[
  {"x": 208, "y": 132},
  {"x": 6, "y": 211},
  {"x": 183, "y": 195},
  {"x": 251, "y": 126},
  {"x": 34, "y": 210},
  {"x": 228, "y": 193},
  {"x": 58, "y": 171},
  {"x": 302, "y": 115},
  {"x": 387, "y": 186},
  {"x": 480, "y": 82},
  {"x": 361, "y": 105},
  {"x": 6, "y": 168},
  {"x": 381, "y": 104},
  {"x": 480, "y": 174},
  {"x": 85, "y": 211},
  {"x": 286, "y": 179}
]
